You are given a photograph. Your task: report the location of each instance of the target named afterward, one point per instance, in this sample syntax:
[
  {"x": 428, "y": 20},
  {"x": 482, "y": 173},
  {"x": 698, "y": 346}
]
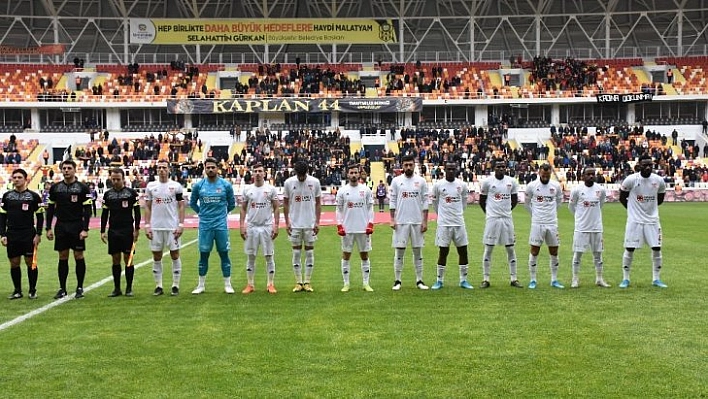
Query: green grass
[{"x": 504, "y": 342}]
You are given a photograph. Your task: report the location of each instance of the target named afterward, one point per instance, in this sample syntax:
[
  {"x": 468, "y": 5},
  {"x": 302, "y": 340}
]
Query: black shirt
[
  {"x": 69, "y": 201},
  {"x": 120, "y": 206},
  {"x": 19, "y": 210}
]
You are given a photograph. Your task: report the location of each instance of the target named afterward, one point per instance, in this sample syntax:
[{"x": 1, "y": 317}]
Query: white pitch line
[{"x": 67, "y": 298}]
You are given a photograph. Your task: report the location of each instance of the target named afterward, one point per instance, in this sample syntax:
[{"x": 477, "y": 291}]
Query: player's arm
[
  {"x": 39, "y": 215},
  {"x": 148, "y": 214},
  {"x": 370, "y": 212},
  {"x": 573, "y": 202},
  {"x": 51, "y": 206},
  {"x": 194, "y": 198},
  {"x": 230, "y": 198},
  {"x": 104, "y": 218},
  {"x": 436, "y": 200},
  {"x": 242, "y": 215},
  {"x": 339, "y": 209},
  {"x": 180, "y": 210},
  {"x": 514, "y": 194},
  {"x": 286, "y": 211},
  {"x": 527, "y": 197},
  {"x": 483, "y": 194},
  {"x": 624, "y": 195},
  {"x": 3, "y": 220},
  {"x": 425, "y": 204},
  {"x": 87, "y": 208},
  {"x": 392, "y": 205},
  {"x": 276, "y": 212},
  {"x": 318, "y": 207},
  {"x": 661, "y": 194},
  {"x": 559, "y": 197},
  {"x": 136, "y": 213}
]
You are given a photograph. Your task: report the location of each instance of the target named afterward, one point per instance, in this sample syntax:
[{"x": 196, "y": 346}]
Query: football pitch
[{"x": 498, "y": 342}]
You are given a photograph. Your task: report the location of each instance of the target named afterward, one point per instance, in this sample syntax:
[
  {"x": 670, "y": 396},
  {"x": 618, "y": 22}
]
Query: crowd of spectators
[
  {"x": 272, "y": 80},
  {"x": 569, "y": 74}
]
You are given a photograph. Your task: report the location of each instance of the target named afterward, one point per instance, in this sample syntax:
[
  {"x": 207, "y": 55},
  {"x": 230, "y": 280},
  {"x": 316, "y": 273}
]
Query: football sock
[
  {"x": 80, "y": 272},
  {"x": 577, "y": 256},
  {"x": 463, "y": 273},
  {"x": 63, "y": 271},
  {"x": 116, "y": 277},
  {"x": 656, "y": 264},
  {"x": 597, "y": 259},
  {"x": 225, "y": 263},
  {"x": 203, "y": 263},
  {"x": 441, "y": 272},
  {"x": 418, "y": 262},
  {"x": 345, "y": 271},
  {"x": 627, "y": 263},
  {"x": 157, "y": 272},
  {"x": 309, "y": 264},
  {"x": 365, "y": 269},
  {"x": 487, "y": 262},
  {"x": 176, "y": 272},
  {"x": 398, "y": 263},
  {"x": 533, "y": 260},
  {"x": 297, "y": 269},
  {"x": 202, "y": 281},
  {"x": 32, "y": 275},
  {"x": 129, "y": 273},
  {"x": 270, "y": 268},
  {"x": 16, "y": 274},
  {"x": 251, "y": 268},
  {"x": 511, "y": 259},
  {"x": 554, "y": 267}
]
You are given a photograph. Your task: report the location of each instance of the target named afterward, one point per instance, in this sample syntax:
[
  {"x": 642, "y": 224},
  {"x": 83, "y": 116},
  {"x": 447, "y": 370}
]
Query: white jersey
[
  {"x": 642, "y": 204},
  {"x": 499, "y": 194},
  {"x": 409, "y": 198},
  {"x": 164, "y": 213},
  {"x": 450, "y": 201},
  {"x": 355, "y": 208},
  {"x": 586, "y": 204},
  {"x": 301, "y": 201},
  {"x": 259, "y": 202},
  {"x": 543, "y": 200}
]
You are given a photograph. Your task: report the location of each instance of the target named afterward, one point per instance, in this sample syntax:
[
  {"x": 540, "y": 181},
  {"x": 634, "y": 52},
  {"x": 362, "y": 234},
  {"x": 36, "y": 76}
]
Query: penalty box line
[{"x": 67, "y": 298}]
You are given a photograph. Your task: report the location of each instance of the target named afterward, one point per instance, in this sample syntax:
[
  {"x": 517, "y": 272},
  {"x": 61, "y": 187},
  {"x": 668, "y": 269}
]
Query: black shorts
[
  {"x": 20, "y": 243},
  {"x": 120, "y": 241},
  {"x": 66, "y": 236}
]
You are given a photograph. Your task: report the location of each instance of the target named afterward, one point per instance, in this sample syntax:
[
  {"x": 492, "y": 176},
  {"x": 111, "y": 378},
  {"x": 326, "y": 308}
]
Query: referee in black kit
[
  {"x": 19, "y": 233},
  {"x": 121, "y": 212},
  {"x": 70, "y": 201}
]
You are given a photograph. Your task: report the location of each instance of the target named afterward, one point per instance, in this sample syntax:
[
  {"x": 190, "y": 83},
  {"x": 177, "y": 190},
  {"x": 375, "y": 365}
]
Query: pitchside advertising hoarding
[
  {"x": 263, "y": 31},
  {"x": 287, "y": 105}
]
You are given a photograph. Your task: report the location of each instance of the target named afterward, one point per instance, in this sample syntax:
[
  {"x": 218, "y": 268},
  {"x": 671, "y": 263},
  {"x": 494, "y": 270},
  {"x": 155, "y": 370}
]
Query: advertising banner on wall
[
  {"x": 49, "y": 49},
  {"x": 263, "y": 31},
  {"x": 288, "y": 105}
]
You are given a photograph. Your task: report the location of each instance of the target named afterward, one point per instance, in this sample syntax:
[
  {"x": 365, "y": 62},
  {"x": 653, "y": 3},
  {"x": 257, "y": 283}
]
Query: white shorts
[
  {"x": 362, "y": 240},
  {"x": 499, "y": 231},
  {"x": 259, "y": 236},
  {"x": 445, "y": 235},
  {"x": 162, "y": 239},
  {"x": 302, "y": 236},
  {"x": 588, "y": 242},
  {"x": 541, "y": 233},
  {"x": 406, "y": 233},
  {"x": 638, "y": 234}
]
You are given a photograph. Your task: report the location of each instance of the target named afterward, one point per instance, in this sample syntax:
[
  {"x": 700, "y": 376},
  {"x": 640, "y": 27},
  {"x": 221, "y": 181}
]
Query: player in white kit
[
  {"x": 586, "y": 202},
  {"x": 449, "y": 201},
  {"x": 542, "y": 199},
  {"x": 302, "y": 209},
  {"x": 355, "y": 224},
  {"x": 164, "y": 213},
  {"x": 498, "y": 197},
  {"x": 409, "y": 220},
  {"x": 259, "y": 226},
  {"x": 642, "y": 193}
]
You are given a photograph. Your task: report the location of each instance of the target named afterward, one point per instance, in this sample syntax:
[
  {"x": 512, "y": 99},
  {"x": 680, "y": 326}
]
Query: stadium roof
[{"x": 445, "y": 30}]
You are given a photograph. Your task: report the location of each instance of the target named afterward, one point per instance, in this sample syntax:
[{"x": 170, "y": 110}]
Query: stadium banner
[
  {"x": 624, "y": 98},
  {"x": 288, "y": 105},
  {"x": 263, "y": 31},
  {"x": 49, "y": 49}
]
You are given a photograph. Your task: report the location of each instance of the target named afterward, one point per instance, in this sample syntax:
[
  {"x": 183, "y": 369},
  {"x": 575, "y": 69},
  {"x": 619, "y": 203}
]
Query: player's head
[
  {"x": 499, "y": 168},
  {"x": 646, "y": 165},
  {"x": 450, "y": 171},
  {"x": 68, "y": 169},
  {"x": 211, "y": 167},
  {"x": 19, "y": 179},
  {"x": 544, "y": 173},
  {"x": 300, "y": 169},
  {"x": 117, "y": 176},
  {"x": 163, "y": 170},
  {"x": 353, "y": 173},
  {"x": 408, "y": 163},
  {"x": 589, "y": 176},
  {"x": 258, "y": 172}
]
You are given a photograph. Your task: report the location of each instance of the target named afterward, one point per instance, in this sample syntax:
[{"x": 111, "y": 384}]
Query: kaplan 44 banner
[
  {"x": 263, "y": 31},
  {"x": 209, "y": 106}
]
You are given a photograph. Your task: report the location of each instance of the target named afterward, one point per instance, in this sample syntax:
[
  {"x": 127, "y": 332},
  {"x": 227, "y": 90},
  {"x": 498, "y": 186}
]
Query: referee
[
  {"x": 121, "y": 211},
  {"x": 70, "y": 200},
  {"x": 18, "y": 231}
]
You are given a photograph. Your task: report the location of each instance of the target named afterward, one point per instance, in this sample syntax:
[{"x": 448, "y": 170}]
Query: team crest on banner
[{"x": 386, "y": 32}]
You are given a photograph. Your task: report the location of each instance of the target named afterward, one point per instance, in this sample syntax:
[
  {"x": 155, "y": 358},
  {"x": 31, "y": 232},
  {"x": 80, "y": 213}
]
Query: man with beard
[
  {"x": 586, "y": 202},
  {"x": 642, "y": 193},
  {"x": 543, "y": 197},
  {"x": 409, "y": 220},
  {"x": 212, "y": 199},
  {"x": 450, "y": 201},
  {"x": 498, "y": 198}
]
